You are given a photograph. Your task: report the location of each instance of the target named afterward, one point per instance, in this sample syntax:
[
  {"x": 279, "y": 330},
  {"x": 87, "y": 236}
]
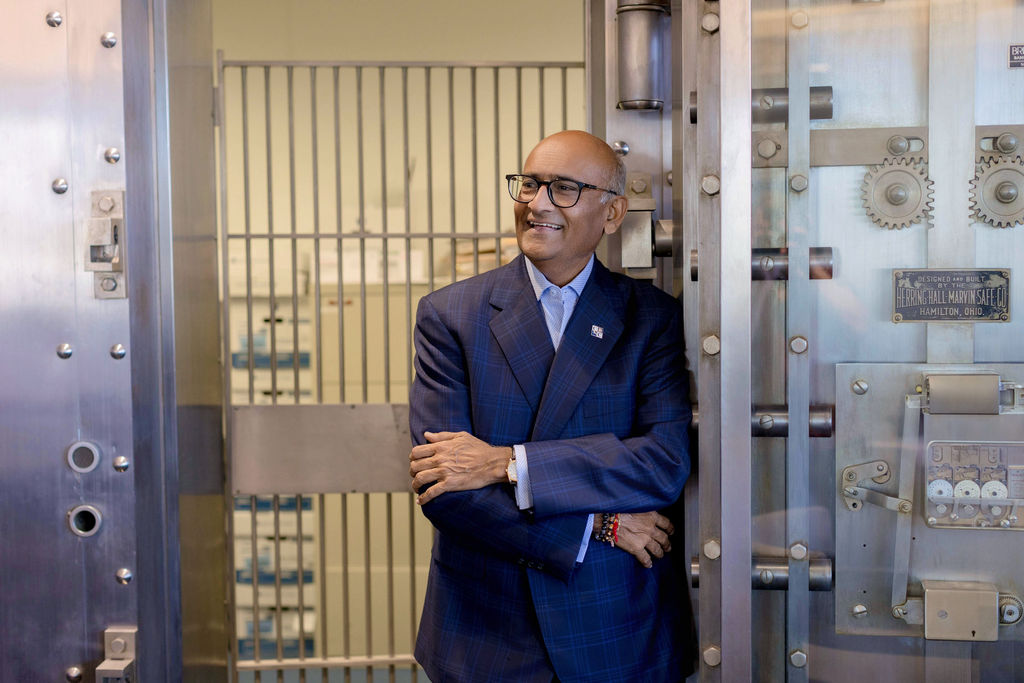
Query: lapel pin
[{"x": 597, "y": 331}]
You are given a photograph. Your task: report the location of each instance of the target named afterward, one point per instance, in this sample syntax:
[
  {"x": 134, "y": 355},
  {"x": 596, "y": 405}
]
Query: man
[{"x": 551, "y": 394}]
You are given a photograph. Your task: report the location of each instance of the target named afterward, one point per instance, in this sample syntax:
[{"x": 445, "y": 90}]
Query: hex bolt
[
  {"x": 712, "y": 550},
  {"x": 1006, "y": 143},
  {"x": 621, "y": 147},
  {"x": 121, "y": 463},
  {"x": 712, "y": 656},
  {"x": 767, "y": 148},
  {"x": 798, "y": 551},
  {"x": 800, "y": 19},
  {"x": 73, "y": 674},
  {"x": 108, "y": 284},
  {"x": 798, "y": 658},
  {"x": 766, "y": 422},
  {"x": 711, "y": 345},
  {"x": 108, "y": 39},
  {"x": 897, "y": 194},
  {"x": 767, "y": 576},
  {"x": 798, "y": 344},
  {"x": 112, "y": 155},
  {"x": 710, "y": 184},
  {"x": 1007, "y": 192},
  {"x": 117, "y": 351},
  {"x": 106, "y": 204},
  {"x": 638, "y": 185},
  {"x": 54, "y": 19},
  {"x": 710, "y": 22},
  {"x": 64, "y": 351},
  {"x": 859, "y": 611},
  {"x": 859, "y": 387},
  {"x": 798, "y": 183},
  {"x": 118, "y": 645},
  {"x": 60, "y": 186},
  {"x": 898, "y": 144}
]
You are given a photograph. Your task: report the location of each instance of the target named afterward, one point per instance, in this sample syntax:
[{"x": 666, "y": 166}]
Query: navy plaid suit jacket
[{"x": 605, "y": 425}]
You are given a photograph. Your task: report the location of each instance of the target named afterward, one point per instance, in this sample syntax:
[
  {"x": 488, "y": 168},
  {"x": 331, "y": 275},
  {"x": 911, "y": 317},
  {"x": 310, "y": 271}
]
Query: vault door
[{"x": 67, "y": 512}]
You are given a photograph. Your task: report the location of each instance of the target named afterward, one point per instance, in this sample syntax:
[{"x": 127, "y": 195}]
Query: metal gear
[
  {"x": 897, "y": 193},
  {"x": 997, "y": 192}
]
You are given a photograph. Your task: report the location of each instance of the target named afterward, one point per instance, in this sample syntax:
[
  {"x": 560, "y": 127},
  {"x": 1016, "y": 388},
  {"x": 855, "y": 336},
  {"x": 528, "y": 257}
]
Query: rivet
[
  {"x": 121, "y": 463},
  {"x": 800, "y": 19},
  {"x": 712, "y": 550},
  {"x": 1006, "y": 143},
  {"x": 1007, "y": 192},
  {"x": 108, "y": 39},
  {"x": 859, "y": 387},
  {"x": 710, "y": 184},
  {"x": 798, "y": 551},
  {"x": 798, "y": 658},
  {"x": 767, "y": 148},
  {"x": 60, "y": 186},
  {"x": 711, "y": 345},
  {"x": 1005, "y": 523},
  {"x": 64, "y": 351},
  {"x": 897, "y": 194},
  {"x": 638, "y": 185},
  {"x": 124, "y": 576},
  {"x": 798, "y": 183},
  {"x": 850, "y": 476},
  {"x": 106, "y": 203},
  {"x": 898, "y": 144},
  {"x": 112, "y": 155},
  {"x": 117, "y": 351},
  {"x": 859, "y": 611},
  {"x": 668, "y": 178},
  {"x": 880, "y": 467},
  {"x": 712, "y": 656},
  {"x": 620, "y": 147},
  {"x": 797, "y": 344},
  {"x": 932, "y": 521},
  {"x": 108, "y": 284},
  {"x": 73, "y": 674},
  {"x": 710, "y": 22},
  {"x": 55, "y": 19}
]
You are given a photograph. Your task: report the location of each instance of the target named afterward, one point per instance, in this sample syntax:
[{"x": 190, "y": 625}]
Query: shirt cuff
[
  {"x": 524, "y": 494},
  {"x": 587, "y": 533}
]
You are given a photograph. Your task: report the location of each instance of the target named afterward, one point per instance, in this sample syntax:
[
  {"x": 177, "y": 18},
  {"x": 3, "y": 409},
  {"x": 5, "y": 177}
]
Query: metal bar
[
  {"x": 379, "y": 235},
  {"x": 498, "y": 185},
  {"x": 367, "y": 584},
  {"x": 476, "y": 177},
  {"x": 798, "y": 324},
  {"x": 254, "y": 538},
  {"x": 427, "y": 76},
  {"x": 327, "y": 662},
  {"x": 294, "y": 246},
  {"x": 317, "y": 334},
  {"x": 772, "y": 573},
  {"x": 390, "y": 561},
  {"x": 408, "y": 227},
  {"x": 251, "y": 353},
  {"x": 322, "y": 569},
  {"x": 565, "y": 98},
  {"x": 279, "y": 640},
  {"x": 772, "y": 263},
  {"x": 272, "y": 314},
  {"x": 519, "y": 116},
  {"x": 385, "y": 283},
  {"x": 772, "y": 105},
  {"x": 346, "y": 621},
  {"x": 910, "y": 445},
  {"x": 362, "y": 241},
  {"x": 451, "y": 167},
  {"x": 300, "y": 582},
  {"x": 340, "y": 231},
  {"x": 415, "y": 64},
  {"x": 735, "y": 79},
  {"x": 769, "y": 420},
  {"x": 540, "y": 98},
  {"x": 412, "y": 574}
]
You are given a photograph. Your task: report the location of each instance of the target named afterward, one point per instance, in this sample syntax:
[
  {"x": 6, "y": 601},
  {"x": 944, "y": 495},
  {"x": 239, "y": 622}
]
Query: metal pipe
[
  {"x": 771, "y": 105},
  {"x": 773, "y": 263},
  {"x": 340, "y": 230},
  {"x": 317, "y": 334},
  {"x": 772, "y": 573},
  {"x": 774, "y": 421},
  {"x": 641, "y": 36},
  {"x": 292, "y": 232},
  {"x": 271, "y": 303},
  {"x": 385, "y": 284}
]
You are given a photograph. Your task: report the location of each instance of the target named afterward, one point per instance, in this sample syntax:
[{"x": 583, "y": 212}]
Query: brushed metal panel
[{"x": 288, "y": 449}]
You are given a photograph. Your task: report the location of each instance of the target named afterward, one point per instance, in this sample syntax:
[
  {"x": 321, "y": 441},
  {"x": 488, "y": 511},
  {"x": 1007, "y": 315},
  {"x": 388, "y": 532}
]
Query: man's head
[{"x": 559, "y": 241}]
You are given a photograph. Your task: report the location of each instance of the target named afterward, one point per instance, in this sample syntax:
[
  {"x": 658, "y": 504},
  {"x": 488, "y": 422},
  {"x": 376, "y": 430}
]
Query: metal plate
[{"x": 940, "y": 295}]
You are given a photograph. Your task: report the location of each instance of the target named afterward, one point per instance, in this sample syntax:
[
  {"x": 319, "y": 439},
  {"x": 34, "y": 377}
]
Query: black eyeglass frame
[{"x": 509, "y": 179}]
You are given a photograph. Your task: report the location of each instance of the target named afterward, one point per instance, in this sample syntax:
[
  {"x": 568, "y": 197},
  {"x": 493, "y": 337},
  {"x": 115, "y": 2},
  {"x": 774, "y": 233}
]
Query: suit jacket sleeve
[{"x": 486, "y": 519}]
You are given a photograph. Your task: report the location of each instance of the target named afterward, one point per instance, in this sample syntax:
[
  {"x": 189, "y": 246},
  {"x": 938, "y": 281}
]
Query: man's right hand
[{"x": 643, "y": 535}]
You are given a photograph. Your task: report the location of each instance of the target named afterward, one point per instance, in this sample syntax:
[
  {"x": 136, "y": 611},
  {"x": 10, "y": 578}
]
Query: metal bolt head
[
  {"x": 106, "y": 203},
  {"x": 798, "y": 551},
  {"x": 798, "y": 344},
  {"x": 710, "y": 184},
  {"x": 711, "y": 345},
  {"x": 898, "y": 612},
  {"x": 117, "y": 351},
  {"x": 1005, "y": 523},
  {"x": 112, "y": 155},
  {"x": 767, "y": 102},
  {"x": 766, "y": 422},
  {"x": 859, "y": 387},
  {"x": 859, "y": 611},
  {"x": 108, "y": 39},
  {"x": 1006, "y": 143},
  {"x": 638, "y": 185},
  {"x": 60, "y": 186},
  {"x": 798, "y": 658},
  {"x": 668, "y": 178},
  {"x": 55, "y": 19},
  {"x": 931, "y": 521},
  {"x": 767, "y": 148},
  {"x": 118, "y": 645},
  {"x": 620, "y": 147},
  {"x": 712, "y": 550},
  {"x": 108, "y": 284},
  {"x": 897, "y": 194},
  {"x": 1007, "y": 192},
  {"x": 124, "y": 576},
  {"x": 710, "y": 22},
  {"x": 798, "y": 183},
  {"x": 905, "y": 506},
  {"x": 851, "y": 476},
  {"x": 73, "y": 674},
  {"x": 712, "y": 656},
  {"x": 767, "y": 264},
  {"x": 767, "y": 576},
  {"x": 121, "y": 463},
  {"x": 800, "y": 19},
  {"x": 64, "y": 351},
  {"x": 898, "y": 144}
]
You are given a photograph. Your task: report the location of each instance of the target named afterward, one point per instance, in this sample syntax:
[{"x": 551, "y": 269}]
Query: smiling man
[{"x": 550, "y": 416}]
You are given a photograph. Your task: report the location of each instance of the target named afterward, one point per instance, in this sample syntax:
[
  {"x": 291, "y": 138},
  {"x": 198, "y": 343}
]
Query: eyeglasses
[{"x": 562, "y": 192}]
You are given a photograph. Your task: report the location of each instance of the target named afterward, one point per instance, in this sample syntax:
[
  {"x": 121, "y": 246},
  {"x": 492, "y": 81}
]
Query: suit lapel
[
  {"x": 520, "y": 331},
  {"x": 593, "y": 330}
]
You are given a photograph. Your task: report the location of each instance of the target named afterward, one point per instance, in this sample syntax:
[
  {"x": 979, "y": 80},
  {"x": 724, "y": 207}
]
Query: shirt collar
[{"x": 541, "y": 283}]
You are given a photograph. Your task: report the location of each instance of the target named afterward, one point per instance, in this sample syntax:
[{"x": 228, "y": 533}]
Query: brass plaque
[{"x": 928, "y": 295}]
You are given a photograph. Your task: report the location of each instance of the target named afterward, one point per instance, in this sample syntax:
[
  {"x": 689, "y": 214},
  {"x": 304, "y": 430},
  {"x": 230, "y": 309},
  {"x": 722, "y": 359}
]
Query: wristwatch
[{"x": 510, "y": 469}]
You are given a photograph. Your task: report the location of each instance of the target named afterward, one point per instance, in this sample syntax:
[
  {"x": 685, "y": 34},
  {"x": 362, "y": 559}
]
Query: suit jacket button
[{"x": 521, "y": 562}]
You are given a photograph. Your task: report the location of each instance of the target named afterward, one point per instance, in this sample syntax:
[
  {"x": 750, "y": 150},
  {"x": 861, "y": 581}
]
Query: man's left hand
[{"x": 455, "y": 461}]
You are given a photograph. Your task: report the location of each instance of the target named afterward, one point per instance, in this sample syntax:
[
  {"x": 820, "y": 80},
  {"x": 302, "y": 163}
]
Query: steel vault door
[{"x": 76, "y": 438}]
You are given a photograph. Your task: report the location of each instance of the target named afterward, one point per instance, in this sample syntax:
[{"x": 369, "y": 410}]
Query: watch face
[{"x": 510, "y": 472}]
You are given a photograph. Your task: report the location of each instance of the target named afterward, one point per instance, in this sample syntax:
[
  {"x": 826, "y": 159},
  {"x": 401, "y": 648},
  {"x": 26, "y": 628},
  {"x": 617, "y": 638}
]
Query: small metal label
[
  {"x": 963, "y": 295},
  {"x": 1016, "y": 56}
]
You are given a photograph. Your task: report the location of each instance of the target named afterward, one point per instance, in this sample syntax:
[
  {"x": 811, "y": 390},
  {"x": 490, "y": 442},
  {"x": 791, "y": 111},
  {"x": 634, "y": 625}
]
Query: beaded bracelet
[{"x": 609, "y": 531}]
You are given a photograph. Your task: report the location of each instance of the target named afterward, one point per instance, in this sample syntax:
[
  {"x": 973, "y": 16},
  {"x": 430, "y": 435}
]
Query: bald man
[{"x": 549, "y": 414}]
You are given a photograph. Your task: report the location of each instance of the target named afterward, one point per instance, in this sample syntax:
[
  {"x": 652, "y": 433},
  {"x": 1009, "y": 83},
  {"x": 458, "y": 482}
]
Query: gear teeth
[
  {"x": 980, "y": 206},
  {"x": 910, "y": 165}
]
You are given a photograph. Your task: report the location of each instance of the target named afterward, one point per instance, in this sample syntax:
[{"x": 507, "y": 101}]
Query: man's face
[{"x": 560, "y": 241}]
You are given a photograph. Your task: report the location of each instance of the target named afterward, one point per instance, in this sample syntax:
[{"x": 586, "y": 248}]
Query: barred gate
[{"x": 347, "y": 191}]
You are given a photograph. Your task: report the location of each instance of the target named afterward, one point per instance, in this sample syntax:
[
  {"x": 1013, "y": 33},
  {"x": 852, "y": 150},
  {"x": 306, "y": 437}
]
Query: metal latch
[
  {"x": 119, "y": 652},
  {"x": 637, "y": 228},
  {"x": 104, "y": 244}
]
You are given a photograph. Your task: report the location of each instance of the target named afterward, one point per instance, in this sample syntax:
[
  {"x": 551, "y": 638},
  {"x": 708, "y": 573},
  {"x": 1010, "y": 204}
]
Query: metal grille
[{"x": 347, "y": 191}]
